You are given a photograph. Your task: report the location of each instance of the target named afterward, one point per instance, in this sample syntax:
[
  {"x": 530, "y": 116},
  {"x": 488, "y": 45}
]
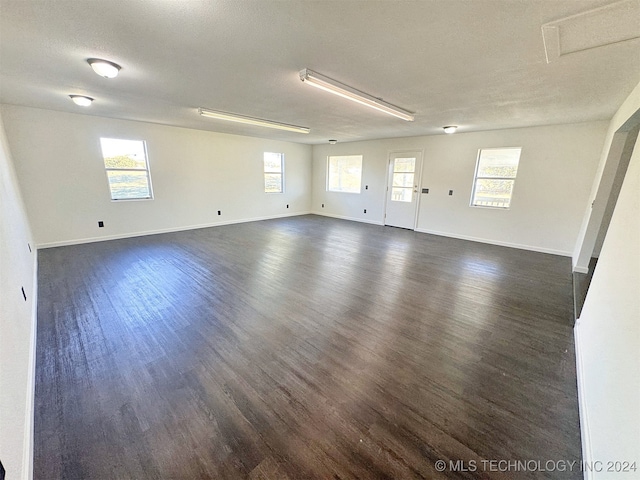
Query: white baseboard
[
  {"x": 497, "y": 242},
  {"x": 27, "y": 452},
  {"x": 587, "y": 456},
  {"x": 79, "y": 241},
  {"x": 461, "y": 237},
  {"x": 343, "y": 217}
]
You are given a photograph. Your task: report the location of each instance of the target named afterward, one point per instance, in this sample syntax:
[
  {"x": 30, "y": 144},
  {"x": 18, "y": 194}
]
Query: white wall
[
  {"x": 608, "y": 331},
  {"x": 616, "y": 186},
  {"x": 194, "y": 174},
  {"x": 17, "y": 323},
  {"x": 603, "y": 181},
  {"x": 554, "y": 179},
  {"x": 608, "y": 338}
]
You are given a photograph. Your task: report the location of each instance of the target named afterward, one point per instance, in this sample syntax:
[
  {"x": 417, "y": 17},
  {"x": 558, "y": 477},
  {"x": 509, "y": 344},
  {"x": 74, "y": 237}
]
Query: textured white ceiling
[{"x": 478, "y": 64}]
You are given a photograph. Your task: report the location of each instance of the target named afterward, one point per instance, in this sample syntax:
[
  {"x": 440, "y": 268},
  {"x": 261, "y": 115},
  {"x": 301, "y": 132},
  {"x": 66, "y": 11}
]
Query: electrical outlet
[
  {"x": 425, "y": 190},
  {"x": 287, "y": 205},
  {"x": 450, "y": 192},
  {"x": 219, "y": 212},
  {"x": 366, "y": 187},
  {"x": 29, "y": 245},
  {"x": 100, "y": 224},
  {"x": 365, "y": 210},
  {"x": 24, "y": 294},
  {"x": 323, "y": 205}
]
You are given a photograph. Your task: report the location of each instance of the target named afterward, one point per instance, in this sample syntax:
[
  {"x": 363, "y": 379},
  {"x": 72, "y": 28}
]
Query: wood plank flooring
[
  {"x": 304, "y": 347},
  {"x": 581, "y": 283}
]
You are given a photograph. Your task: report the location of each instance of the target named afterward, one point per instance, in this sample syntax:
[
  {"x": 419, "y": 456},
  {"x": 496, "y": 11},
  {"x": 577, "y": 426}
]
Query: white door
[{"x": 402, "y": 189}]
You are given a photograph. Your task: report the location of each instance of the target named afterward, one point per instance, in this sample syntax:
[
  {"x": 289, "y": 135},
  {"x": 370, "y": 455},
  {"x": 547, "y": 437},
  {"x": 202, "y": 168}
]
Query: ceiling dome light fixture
[
  {"x": 450, "y": 129},
  {"x": 104, "y": 68},
  {"x": 81, "y": 100}
]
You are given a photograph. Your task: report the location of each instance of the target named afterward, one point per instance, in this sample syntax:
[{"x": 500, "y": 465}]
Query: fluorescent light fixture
[
  {"x": 81, "y": 100},
  {"x": 333, "y": 86},
  {"x": 450, "y": 129},
  {"x": 104, "y": 68},
  {"x": 232, "y": 117}
]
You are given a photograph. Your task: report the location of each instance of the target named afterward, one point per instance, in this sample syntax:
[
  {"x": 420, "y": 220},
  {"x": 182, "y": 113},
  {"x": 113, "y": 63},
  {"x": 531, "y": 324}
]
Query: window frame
[
  {"x": 281, "y": 172},
  {"x": 328, "y": 173},
  {"x": 476, "y": 177},
  {"x": 393, "y": 158},
  {"x": 147, "y": 170}
]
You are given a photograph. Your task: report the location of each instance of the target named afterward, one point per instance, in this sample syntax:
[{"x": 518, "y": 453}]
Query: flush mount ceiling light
[
  {"x": 333, "y": 142},
  {"x": 450, "y": 129},
  {"x": 232, "y": 117},
  {"x": 81, "y": 100},
  {"x": 104, "y": 68},
  {"x": 345, "y": 91}
]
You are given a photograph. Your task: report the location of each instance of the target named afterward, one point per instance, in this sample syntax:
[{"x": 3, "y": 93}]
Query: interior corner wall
[
  {"x": 555, "y": 174},
  {"x": 608, "y": 342},
  {"x": 194, "y": 175},
  {"x": 17, "y": 323},
  {"x": 616, "y": 185},
  {"x": 603, "y": 181}
]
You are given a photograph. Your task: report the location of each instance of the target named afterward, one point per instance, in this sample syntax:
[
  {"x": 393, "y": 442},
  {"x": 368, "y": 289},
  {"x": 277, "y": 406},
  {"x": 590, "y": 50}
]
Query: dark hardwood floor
[
  {"x": 305, "y": 347},
  {"x": 581, "y": 283}
]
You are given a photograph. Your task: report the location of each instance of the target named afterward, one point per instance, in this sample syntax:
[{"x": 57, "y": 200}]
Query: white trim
[
  {"x": 328, "y": 176},
  {"x": 578, "y": 269},
  {"x": 477, "y": 177},
  {"x": 533, "y": 248},
  {"x": 418, "y": 175},
  {"x": 146, "y": 169},
  {"x": 79, "y": 241},
  {"x": 343, "y": 217},
  {"x": 552, "y": 32},
  {"x": 27, "y": 446},
  {"x": 587, "y": 454},
  {"x": 281, "y": 172}
]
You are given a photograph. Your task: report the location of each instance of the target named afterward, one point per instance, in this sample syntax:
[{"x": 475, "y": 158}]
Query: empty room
[{"x": 332, "y": 239}]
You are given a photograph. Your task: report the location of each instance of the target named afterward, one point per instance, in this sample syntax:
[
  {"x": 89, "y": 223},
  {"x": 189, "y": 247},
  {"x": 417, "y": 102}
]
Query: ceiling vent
[{"x": 608, "y": 25}]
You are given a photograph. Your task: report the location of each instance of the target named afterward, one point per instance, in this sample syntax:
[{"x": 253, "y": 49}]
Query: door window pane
[
  {"x": 404, "y": 165},
  {"x": 401, "y": 194},
  {"x": 403, "y": 179}
]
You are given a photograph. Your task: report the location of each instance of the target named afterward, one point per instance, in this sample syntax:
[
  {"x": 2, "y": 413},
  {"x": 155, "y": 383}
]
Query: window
[
  {"x": 127, "y": 168},
  {"x": 403, "y": 174},
  {"x": 495, "y": 175},
  {"x": 273, "y": 163},
  {"x": 344, "y": 173}
]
